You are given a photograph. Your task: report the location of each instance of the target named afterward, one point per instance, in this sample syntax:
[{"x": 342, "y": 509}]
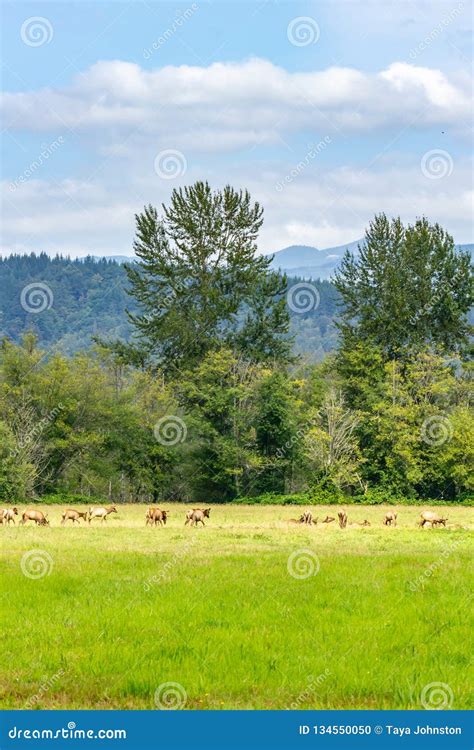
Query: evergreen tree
[
  {"x": 201, "y": 285},
  {"x": 408, "y": 288}
]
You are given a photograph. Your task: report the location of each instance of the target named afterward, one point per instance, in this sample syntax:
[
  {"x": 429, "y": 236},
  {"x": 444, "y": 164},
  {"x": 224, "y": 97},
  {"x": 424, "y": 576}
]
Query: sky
[{"x": 327, "y": 112}]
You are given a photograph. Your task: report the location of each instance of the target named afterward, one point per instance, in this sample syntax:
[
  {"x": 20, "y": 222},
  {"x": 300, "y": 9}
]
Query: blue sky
[{"x": 327, "y": 111}]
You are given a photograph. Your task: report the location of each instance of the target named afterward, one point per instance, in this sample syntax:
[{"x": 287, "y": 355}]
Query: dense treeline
[
  {"x": 89, "y": 298},
  {"x": 208, "y": 401},
  {"x": 88, "y": 424},
  {"x": 77, "y": 300}
]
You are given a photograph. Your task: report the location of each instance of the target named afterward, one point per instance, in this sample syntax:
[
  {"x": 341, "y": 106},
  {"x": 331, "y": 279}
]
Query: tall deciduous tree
[
  {"x": 407, "y": 288},
  {"x": 200, "y": 283}
]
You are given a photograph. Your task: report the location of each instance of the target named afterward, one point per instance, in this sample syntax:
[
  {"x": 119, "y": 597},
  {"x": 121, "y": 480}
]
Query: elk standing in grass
[
  {"x": 7, "y": 515},
  {"x": 156, "y": 517},
  {"x": 73, "y": 515},
  {"x": 197, "y": 515},
  {"x": 101, "y": 513},
  {"x": 390, "y": 518},
  {"x": 428, "y": 517},
  {"x": 34, "y": 515}
]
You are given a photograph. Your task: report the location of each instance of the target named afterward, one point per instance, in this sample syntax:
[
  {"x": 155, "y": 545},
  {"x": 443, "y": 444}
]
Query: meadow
[{"x": 248, "y": 612}]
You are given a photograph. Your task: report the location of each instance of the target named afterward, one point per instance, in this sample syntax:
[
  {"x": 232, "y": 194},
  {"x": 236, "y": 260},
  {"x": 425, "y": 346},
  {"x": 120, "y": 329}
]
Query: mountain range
[{"x": 306, "y": 261}]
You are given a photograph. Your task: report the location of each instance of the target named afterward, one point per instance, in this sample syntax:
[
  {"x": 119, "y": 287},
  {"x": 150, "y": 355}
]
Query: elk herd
[
  {"x": 195, "y": 516},
  {"x": 427, "y": 518},
  {"x": 154, "y": 516}
]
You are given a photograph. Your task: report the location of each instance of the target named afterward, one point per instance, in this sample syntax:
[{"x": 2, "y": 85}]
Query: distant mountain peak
[{"x": 311, "y": 262}]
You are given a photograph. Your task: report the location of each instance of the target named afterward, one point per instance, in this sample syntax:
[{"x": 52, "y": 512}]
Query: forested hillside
[
  {"x": 86, "y": 298},
  {"x": 198, "y": 395}
]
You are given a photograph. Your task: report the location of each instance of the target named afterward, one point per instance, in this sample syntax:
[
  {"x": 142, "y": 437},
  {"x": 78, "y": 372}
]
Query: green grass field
[{"x": 248, "y": 612}]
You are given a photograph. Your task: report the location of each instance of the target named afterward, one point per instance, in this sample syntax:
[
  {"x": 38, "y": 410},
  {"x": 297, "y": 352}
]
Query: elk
[
  {"x": 156, "y": 516},
  {"x": 342, "y": 515},
  {"x": 360, "y": 523},
  {"x": 305, "y": 518},
  {"x": 7, "y": 515},
  {"x": 73, "y": 515},
  {"x": 328, "y": 519},
  {"x": 431, "y": 518},
  {"x": 37, "y": 516},
  {"x": 197, "y": 515},
  {"x": 101, "y": 513},
  {"x": 390, "y": 518}
]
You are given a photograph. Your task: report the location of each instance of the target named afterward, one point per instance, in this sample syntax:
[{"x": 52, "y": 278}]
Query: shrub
[{"x": 65, "y": 498}]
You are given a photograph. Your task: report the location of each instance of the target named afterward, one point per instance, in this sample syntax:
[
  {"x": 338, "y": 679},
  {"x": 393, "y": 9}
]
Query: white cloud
[
  {"x": 236, "y": 122},
  {"x": 325, "y": 209},
  {"x": 227, "y": 104}
]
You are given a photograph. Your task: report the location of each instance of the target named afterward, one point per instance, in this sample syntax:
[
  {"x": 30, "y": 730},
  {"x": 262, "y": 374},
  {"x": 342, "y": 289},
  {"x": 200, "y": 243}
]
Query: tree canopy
[
  {"x": 200, "y": 283},
  {"x": 407, "y": 288}
]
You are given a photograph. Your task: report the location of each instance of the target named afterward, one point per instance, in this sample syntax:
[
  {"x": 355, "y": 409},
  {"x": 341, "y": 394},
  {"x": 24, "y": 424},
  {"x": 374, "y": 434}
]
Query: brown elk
[
  {"x": 428, "y": 517},
  {"x": 7, "y": 515},
  {"x": 390, "y": 518},
  {"x": 101, "y": 513},
  {"x": 328, "y": 519},
  {"x": 37, "y": 516},
  {"x": 197, "y": 515},
  {"x": 342, "y": 516},
  {"x": 156, "y": 516},
  {"x": 305, "y": 518},
  {"x": 73, "y": 515}
]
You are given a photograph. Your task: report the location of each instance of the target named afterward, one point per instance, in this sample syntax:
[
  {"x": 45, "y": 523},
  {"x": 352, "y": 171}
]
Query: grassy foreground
[{"x": 249, "y": 612}]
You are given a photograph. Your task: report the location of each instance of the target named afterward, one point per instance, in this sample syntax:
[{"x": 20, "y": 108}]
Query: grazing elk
[
  {"x": 37, "y": 516},
  {"x": 390, "y": 518},
  {"x": 156, "y": 516},
  {"x": 197, "y": 515},
  {"x": 328, "y": 519},
  {"x": 7, "y": 515},
  {"x": 342, "y": 516},
  {"x": 305, "y": 518},
  {"x": 73, "y": 515},
  {"x": 101, "y": 513},
  {"x": 428, "y": 517}
]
